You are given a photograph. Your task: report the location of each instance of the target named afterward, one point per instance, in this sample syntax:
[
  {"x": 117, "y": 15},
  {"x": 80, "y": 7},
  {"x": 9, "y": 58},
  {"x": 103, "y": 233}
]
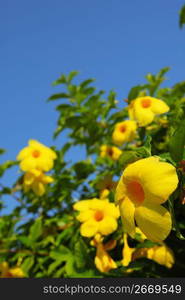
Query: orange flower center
[
  {"x": 110, "y": 151},
  {"x": 98, "y": 215},
  {"x": 135, "y": 192},
  {"x": 35, "y": 153},
  {"x": 122, "y": 128},
  {"x": 146, "y": 103}
]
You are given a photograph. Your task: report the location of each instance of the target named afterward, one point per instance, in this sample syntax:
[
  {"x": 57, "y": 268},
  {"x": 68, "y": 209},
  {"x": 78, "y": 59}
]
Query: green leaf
[
  {"x": 179, "y": 89},
  {"x": 61, "y": 80},
  {"x": 81, "y": 253},
  {"x": 147, "y": 143},
  {"x": 53, "y": 266},
  {"x": 162, "y": 72},
  {"x": 127, "y": 157},
  {"x": 74, "y": 122},
  {"x": 25, "y": 240},
  {"x": 63, "y": 107},
  {"x": 2, "y": 151},
  {"x": 62, "y": 253},
  {"x": 83, "y": 169},
  {"x": 182, "y": 17},
  {"x": 64, "y": 235},
  {"x": 36, "y": 230},
  {"x": 71, "y": 75},
  {"x": 8, "y": 164},
  {"x": 74, "y": 272},
  {"x": 57, "y": 131},
  {"x": 85, "y": 83},
  {"x": 146, "y": 244},
  {"x": 156, "y": 80},
  {"x": 27, "y": 264},
  {"x": 177, "y": 143},
  {"x": 58, "y": 96},
  {"x": 145, "y": 150},
  {"x": 166, "y": 157}
]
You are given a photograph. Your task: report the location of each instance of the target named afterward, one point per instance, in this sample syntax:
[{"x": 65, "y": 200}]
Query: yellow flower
[
  {"x": 160, "y": 254},
  {"x": 104, "y": 193},
  {"x": 97, "y": 216},
  {"x": 36, "y": 180},
  {"x": 110, "y": 151},
  {"x": 103, "y": 261},
  {"x": 126, "y": 252},
  {"x": 36, "y": 156},
  {"x": 6, "y": 272},
  {"x": 144, "y": 109},
  {"x": 105, "y": 186},
  {"x": 124, "y": 132},
  {"x": 144, "y": 185}
]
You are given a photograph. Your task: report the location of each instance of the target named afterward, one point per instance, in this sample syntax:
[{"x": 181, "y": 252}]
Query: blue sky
[{"x": 115, "y": 41}]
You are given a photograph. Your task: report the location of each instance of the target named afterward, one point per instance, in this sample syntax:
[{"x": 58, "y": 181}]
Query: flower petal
[
  {"x": 116, "y": 153},
  {"x": 82, "y": 205},
  {"x": 127, "y": 210},
  {"x": 38, "y": 188},
  {"x": 127, "y": 252},
  {"x": 162, "y": 255},
  {"x": 85, "y": 215},
  {"x": 28, "y": 178},
  {"x": 44, "y": 163},
  {"x": 47, "y": 179},
  {"x": 111, "y": 210},
  {"x": 120, "y": 191},
  {"x": 97, "y": 204},
  {"x": 24, "y": 153},
  {"x": 103, "y": 261},
  {"x": 107, "y": 225},
  {"x": 28, "y": 164},
  {"x": 154, "y": 221},
  {"x": 89, "y": 228},
  {"x": 158, "y": 106}
]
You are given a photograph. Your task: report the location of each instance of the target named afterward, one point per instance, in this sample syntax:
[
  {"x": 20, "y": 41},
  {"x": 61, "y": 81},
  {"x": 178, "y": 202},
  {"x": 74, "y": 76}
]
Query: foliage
[{"x": 182, "y": 16}]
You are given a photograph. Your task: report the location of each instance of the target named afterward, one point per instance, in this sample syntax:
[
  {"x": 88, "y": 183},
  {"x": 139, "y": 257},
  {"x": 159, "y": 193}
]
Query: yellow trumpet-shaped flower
[
  {"x": 36, "y": 156},
  {"x": 36, "y": 181},
  {"x": 143, "y": 187},
  {"x": 105, "y": 186},
  {"x": 160, "y": 254},
  {"x": 124, "y": 132},
  {"x": 144, "y": 109},
  {"x": 103, "y": 261},
  {"x": 126, "y": 252},
  {"x": 97, "y": 216},
  {"x": 110, "y": 151},
  {"x": 104, "y": 193},
  {"x": 6, "y": 272}
]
